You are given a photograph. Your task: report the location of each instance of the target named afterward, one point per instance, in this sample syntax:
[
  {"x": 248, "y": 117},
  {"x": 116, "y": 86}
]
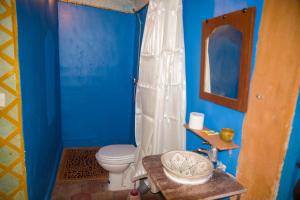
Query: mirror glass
[{"x": 223, "y": 56}]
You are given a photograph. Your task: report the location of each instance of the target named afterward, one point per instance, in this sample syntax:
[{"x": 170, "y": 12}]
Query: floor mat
[{"x": 80, "y": 164}]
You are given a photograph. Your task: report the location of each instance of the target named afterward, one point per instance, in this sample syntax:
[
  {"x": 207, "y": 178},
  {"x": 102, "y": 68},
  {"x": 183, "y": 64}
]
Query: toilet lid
[{"x": 117, "y": 152}]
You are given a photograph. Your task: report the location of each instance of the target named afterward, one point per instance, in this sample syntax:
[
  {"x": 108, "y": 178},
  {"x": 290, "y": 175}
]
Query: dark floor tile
[{"x": 81, "y": 196}]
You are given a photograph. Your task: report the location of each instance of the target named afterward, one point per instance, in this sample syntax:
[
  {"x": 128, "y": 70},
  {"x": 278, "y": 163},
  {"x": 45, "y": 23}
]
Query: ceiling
[{"x": 127, "y": 6}]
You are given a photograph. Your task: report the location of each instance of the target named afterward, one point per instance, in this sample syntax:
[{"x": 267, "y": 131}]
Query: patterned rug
[{"x": 81, "y": 164}]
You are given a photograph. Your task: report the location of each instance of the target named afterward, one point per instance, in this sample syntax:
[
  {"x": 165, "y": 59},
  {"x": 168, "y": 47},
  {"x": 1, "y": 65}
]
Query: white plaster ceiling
[{"x": 127, "y": 6}]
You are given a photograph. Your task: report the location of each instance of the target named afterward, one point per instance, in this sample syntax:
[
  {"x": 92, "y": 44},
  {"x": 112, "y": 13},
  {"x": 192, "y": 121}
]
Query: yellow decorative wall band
[{"x": 12, "y": 162}]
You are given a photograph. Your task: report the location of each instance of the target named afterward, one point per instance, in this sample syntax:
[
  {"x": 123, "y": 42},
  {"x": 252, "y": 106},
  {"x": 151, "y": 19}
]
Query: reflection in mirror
[
  {"x": 226, "y": 48},
  {"x": 223, "y": 54}
]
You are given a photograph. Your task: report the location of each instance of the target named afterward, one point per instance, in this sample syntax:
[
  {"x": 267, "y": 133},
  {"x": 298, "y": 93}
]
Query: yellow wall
[{"x": 12, "y": 165}]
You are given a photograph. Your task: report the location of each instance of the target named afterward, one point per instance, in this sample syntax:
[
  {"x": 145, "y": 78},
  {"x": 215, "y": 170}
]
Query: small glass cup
[{"x": 227, "y": 134}]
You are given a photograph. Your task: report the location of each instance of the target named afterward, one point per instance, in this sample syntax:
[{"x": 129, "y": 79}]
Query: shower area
[
  {"x": 78, "y": 68},
  {"x": 99, "y": 53},
  {"x": 80, "y": 84}
]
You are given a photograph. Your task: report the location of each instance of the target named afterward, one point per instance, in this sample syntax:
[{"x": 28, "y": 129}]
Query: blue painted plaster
[
  {"x": 216, "y": 116},
  {"x": 140, "y": 18},
  {"x": 39, "y": 72},
  {"x": 290, "y": 173},
  {"x": 97, "y": 63}
]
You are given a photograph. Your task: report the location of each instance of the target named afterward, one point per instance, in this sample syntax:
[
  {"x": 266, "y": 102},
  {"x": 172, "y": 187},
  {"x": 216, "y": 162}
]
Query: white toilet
[{"x": 116, "y": 159}]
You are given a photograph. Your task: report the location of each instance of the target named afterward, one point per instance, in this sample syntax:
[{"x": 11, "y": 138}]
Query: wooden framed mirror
[{"x": 226, "y": 58}]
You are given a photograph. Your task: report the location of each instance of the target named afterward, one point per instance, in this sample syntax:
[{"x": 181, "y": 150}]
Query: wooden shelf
[{"x": 214, "y": 140}]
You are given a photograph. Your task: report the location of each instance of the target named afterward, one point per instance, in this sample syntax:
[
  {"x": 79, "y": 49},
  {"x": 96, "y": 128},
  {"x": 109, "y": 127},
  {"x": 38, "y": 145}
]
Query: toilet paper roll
[{"x": 196, "y": 120}]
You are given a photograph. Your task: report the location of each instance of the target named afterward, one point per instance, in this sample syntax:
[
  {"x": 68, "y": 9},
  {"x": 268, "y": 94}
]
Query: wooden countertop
[{"x": 219, "y": 186}]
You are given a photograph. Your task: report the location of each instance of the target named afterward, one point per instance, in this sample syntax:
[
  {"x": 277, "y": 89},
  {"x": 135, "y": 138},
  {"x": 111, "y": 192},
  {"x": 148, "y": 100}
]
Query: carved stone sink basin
[{"x": 186, "y": 167}]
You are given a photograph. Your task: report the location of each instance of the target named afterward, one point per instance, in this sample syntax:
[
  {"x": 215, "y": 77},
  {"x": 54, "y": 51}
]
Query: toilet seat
[
  {"x": 116, "y": 154},
  {"x": 116, "y": 159}
]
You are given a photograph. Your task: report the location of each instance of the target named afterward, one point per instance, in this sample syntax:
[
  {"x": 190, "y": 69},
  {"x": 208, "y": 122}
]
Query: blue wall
[
  {"x": 39, "y": 71},
  {"x": 290, "y": 173},
  {"x": 97, "y": 63},
  {"x": 138, "y": 36},
  {"x": 216, "y": 117}
]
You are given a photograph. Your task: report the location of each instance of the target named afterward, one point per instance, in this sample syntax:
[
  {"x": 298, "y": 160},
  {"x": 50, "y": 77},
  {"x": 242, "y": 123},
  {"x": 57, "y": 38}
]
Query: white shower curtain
[{"x": 161, "y": 89}]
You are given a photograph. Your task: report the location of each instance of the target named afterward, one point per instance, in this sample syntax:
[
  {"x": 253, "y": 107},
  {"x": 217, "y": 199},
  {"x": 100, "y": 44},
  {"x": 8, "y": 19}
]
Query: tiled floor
[{"x": 93, "y": 190}]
